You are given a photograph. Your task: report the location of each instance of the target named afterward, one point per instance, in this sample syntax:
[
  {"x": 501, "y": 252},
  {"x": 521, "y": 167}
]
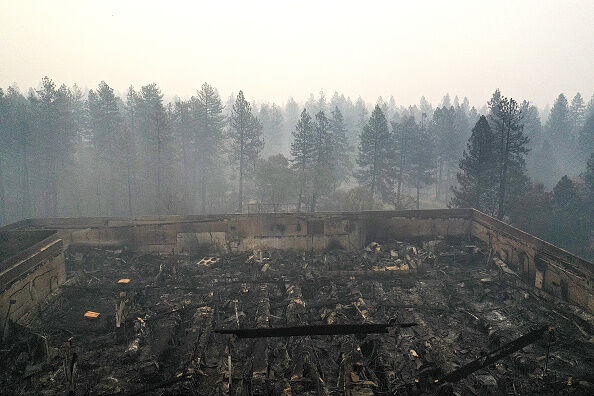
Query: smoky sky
[{"x": 276, "y": 49}]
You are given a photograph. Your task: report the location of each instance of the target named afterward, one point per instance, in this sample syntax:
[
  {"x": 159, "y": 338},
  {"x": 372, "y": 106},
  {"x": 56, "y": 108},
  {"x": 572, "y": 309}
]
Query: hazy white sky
[{"x": 275, "y": 49}]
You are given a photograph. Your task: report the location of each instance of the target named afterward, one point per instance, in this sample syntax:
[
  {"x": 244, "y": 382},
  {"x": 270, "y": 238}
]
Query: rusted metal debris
[{"x": 301, "y": 331}]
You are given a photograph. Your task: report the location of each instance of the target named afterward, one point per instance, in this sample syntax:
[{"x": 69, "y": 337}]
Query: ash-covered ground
[{"x": 154, "y": 335}]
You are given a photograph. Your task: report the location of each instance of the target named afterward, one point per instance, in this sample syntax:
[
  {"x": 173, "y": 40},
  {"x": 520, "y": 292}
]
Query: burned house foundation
[{"x": 411, "y": 302}]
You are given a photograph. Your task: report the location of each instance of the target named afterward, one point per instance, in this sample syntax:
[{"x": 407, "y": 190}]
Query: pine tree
[
  {"x": 360, "y": 120},
  {"x": 589, "y": 175},
  {"x": 209, "y": 123},
  {"x": 54, "y": 123},
  {"x": 577, "y": 112},
  {"x": 303, "y": 152},
  {"x": 586, "y": 136},
  {"x": 157, "y": 140},
  {"x": 271, "y": 118},
  {"x": 558, "y": 126},
  {"x": 376, "y": 156},
  {"x": 182, "y": 124},
  {"x": 105, "y": 127},
  {"x": 446, "y": 136},
  {"x": 420, "y": 162},
  {"x": 478, "y": 176},
  {"x": 246, "y": 141},
  {"x": 544, "y": 165},
  {"x": 276, "y": 182},
  {"x": 564, "y": 192},
  {"x": 340, "y": 156},
  {"x": 506, "y": 121},
  {"x": 3, "y": 128},
  {"x": 324, "y": 179}
]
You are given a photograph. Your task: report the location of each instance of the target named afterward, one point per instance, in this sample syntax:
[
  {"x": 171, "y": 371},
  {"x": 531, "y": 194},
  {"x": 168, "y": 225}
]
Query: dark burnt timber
[
  {"x": 497, "y": 354},
  {"x": 463, "y": 304},
  {"x": 302, "y": 331}
]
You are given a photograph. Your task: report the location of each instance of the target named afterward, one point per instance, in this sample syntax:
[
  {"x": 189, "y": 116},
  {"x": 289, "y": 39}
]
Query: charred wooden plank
[
  {"x": 300, "y": 331},
  {"x": 495, "y": 355}
]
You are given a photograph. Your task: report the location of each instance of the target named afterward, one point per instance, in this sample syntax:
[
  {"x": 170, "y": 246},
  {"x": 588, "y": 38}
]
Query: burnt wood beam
[
  {"x": 497, "y": 354},
  {"x": 301, "y": 331}
]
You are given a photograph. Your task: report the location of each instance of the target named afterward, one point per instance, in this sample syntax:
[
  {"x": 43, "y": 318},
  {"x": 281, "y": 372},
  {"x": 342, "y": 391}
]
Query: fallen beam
[
  {"x": 495, "y": 355},
  {"x": 300, "y": 331}
]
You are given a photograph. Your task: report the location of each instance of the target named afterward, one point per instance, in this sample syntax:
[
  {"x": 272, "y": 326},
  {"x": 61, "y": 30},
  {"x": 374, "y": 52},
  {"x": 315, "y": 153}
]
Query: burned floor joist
[
  {"x": 302, "y": 331},
  {"x": 497, "y": 354}
]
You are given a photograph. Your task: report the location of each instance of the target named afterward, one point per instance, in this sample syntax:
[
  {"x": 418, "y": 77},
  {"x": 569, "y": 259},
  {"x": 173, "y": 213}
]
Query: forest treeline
[{"x": 68, "y": 153}]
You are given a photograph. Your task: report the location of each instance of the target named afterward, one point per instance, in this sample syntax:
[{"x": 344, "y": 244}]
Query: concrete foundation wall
[
  {"x": 258, "y": 231},
  {"x": 540, "y": 264},
  {"x": 29, "y": 277}
]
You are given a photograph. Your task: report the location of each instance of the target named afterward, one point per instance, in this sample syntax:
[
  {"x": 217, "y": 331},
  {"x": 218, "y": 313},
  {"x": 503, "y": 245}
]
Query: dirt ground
[{"x": 463, "y": 303}]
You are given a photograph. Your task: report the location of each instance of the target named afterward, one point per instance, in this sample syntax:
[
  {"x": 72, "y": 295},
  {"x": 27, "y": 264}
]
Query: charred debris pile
[{"x": 424, "y": 317}]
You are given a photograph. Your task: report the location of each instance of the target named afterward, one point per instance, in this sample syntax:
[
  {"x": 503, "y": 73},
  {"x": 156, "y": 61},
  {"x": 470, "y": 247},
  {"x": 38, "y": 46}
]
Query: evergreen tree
[
  {"x": 55, "y": 132},
  {"x": 589, "y": 175},
  {"x": 564, "y": 192},
  {"x": 558, "y": 126},
  {"x": 586, "y": 137},
  {"x": 544, "y": 166},
  {"x": 426, "y": 107},
  {"x": 271, "y": 118},
  {"x": 420, "y": 153},
  {"x": 131, "y": 133},
  {"x": 303, "y": 152},
  {"x": 105, "y": 128},
  {"x": 506, "y": 121},
  {"x": 276, "y": 182},
  {"x": 446, "y": 101},
  {"x": 376, "y": 156},
  {"x": 478, "y": 176},
  {"x": 157, "y": 141},
  {"x": 291, "y": 116},
  {"x": 446, "y": 135},
  {"x": 360, "y": 120},
  {"x": 340, "y": 156},
  {"x": 207, "y": 109},
  {"x": 3, "y": 128},
  {"x": 577, "y": 111},
  {"x": 246, "y": 141},
  {"x": 182, "y": 124},
  {"x": 324, "y": 178}
]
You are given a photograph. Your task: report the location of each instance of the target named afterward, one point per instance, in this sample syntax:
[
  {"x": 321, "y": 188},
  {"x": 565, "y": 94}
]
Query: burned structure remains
[{"x": 406, "y": 302}]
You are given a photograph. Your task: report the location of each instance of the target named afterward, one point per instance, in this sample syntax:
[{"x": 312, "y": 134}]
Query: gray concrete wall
[
  {"x": 30, "y": 276},
  {"x": 541, "y": 265},
  {"x": 246, "y": 232}
]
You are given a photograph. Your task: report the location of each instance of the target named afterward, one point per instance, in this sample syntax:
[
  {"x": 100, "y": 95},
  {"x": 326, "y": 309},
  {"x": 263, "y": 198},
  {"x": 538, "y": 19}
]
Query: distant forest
[{"x": 66, "y": 153}]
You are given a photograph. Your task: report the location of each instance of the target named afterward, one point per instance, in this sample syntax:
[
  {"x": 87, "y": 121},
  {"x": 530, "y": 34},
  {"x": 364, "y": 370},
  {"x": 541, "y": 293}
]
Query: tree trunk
[
  {"x": 2, "y": 198},
  {"x": 418, "y": 186},
  {"x": 26, "y": 204},
  {"x": 400, "y": 175},
  {"x": 54, "y": 190},
  {"x": 439, "y": 181},
  {"x": 187, "y": 184},
  {"x": 158, "y": 203},
  {"x": 503, "y": 173},
  {"x": 240, "y": 204},
  {"x": 129, "y": 177},
  {"x": 203, "y": 183},
  {"x": 98, "y": 201}
]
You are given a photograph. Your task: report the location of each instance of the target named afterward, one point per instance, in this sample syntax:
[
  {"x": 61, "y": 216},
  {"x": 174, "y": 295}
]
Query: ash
[{"x": 154, "y": 334}]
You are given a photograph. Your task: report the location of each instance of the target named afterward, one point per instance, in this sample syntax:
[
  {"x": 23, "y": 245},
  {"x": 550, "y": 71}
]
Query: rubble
[{"x": 340, "y": 322}]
